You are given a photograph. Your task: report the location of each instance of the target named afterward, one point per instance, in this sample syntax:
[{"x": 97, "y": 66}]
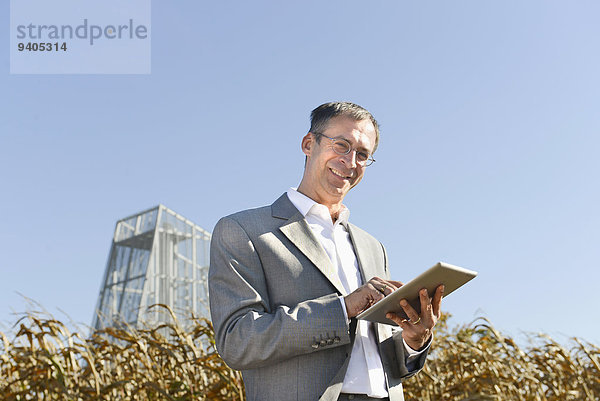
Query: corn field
[
  {"x": 476, "y": 362},
  {"x": 43, "y": 360}
]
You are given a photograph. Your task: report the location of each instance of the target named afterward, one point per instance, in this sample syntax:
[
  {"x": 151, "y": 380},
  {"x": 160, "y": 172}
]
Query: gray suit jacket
[{"x": 275, "y": 307}]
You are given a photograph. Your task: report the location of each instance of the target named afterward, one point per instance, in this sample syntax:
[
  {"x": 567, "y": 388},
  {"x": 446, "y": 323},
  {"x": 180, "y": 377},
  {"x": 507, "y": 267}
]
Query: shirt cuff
[
  {"x": 411, "y": 352},
  {"x": 341, "y": 298}
]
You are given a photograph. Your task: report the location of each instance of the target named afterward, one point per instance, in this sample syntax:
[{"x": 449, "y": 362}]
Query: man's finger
[
  {"x": 400, "y": 321},
  {"x": 373, "y": 291},
  {"x": 409, "y": 310},
  {"x": 378, "y": 286},
  {"x": 425, "y": 302},
  {"x": 389, "y": 286},
  {"x": 396, "y": 284},
  {"x": 437, "y": 300},
  {"x": 377, "y": 283}
]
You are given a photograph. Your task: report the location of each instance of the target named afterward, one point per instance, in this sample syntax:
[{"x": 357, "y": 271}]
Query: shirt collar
[{"x": 307, "y": 206}]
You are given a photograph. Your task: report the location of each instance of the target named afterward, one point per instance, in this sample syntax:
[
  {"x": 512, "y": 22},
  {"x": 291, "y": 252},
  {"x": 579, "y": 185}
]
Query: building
[{"x": 157, "y": 257}]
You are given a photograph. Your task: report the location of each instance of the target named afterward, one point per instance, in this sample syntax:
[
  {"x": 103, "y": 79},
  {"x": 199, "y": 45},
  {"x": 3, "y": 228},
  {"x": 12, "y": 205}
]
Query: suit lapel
[
  {"x": 297, "y": 230},
  {"x": 362, "y": 251}
]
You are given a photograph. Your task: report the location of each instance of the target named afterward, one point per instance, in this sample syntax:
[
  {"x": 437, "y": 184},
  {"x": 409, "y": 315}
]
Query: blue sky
[{"x": 488, "y": 156}]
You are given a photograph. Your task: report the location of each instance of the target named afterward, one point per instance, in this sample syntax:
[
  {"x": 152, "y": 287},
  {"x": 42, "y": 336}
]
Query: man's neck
[
  {"x": 334, "y": 208},
  {"x": 334, "y": 211}
]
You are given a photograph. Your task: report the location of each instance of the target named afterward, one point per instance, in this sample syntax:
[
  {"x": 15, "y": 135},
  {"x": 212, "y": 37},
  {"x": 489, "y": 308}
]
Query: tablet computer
[{"x": 451, "y": 276}]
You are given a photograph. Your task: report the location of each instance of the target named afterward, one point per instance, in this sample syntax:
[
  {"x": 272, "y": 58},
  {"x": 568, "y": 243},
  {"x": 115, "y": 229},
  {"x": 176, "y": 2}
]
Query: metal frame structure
[{"x": 157, "y": 257}]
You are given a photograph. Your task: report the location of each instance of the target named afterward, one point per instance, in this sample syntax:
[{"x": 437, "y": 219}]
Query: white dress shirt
[{"x": 365, "y": 373}]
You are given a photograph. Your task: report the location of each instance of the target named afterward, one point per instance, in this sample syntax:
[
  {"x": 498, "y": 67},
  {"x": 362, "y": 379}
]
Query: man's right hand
[{"x": 368, "y": 294}]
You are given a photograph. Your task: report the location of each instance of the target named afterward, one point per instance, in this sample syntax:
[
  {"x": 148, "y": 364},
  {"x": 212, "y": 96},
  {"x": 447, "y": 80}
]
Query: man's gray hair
[{"x": 319, "y": 117}]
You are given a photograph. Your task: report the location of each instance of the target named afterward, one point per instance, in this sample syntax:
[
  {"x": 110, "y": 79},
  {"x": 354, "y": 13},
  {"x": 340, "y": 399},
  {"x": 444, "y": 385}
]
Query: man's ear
[{"x": 308, "y": 142}]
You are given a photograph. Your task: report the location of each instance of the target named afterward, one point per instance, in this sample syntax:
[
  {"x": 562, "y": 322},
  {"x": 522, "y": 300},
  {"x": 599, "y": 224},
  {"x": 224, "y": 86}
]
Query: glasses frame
[{"x": 370, "y": 160}]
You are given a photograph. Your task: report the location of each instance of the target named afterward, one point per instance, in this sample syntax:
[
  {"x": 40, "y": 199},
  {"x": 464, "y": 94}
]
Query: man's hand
[
  {"x": 369, "y": 294},
  {"x": 417, "y": 331}
]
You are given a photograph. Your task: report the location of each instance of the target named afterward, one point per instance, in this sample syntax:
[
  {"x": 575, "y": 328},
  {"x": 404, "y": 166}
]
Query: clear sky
[{"x": 490, "y": 131}]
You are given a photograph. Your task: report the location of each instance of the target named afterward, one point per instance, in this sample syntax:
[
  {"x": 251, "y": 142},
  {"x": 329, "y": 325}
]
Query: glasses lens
[
  {"x": 341, "y": 147},
  {"x": 362, "y": 157}
]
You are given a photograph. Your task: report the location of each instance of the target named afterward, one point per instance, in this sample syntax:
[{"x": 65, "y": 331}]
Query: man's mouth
[{"x": 340, "y": 174}]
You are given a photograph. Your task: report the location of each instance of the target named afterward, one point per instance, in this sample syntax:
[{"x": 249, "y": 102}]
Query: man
[{"x": 287, "y": 280}]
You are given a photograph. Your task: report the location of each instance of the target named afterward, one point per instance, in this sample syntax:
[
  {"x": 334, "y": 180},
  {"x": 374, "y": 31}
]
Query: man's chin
[{"x": 340, "y": 193}]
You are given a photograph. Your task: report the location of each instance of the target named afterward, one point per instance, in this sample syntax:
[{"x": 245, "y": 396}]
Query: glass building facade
[{"x": 157, "y": 257}]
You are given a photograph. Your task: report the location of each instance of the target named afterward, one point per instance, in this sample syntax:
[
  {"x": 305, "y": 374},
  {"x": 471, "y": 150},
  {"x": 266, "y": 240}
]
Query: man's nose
[{"x": 350, "y": 158}]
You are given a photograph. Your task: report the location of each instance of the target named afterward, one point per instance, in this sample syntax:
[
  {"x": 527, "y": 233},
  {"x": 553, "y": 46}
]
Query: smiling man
[{"x": 287, "y": 281}]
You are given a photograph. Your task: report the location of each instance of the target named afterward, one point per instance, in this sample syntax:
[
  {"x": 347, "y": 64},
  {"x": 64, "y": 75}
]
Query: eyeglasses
[{"x": 342, "y": 146}]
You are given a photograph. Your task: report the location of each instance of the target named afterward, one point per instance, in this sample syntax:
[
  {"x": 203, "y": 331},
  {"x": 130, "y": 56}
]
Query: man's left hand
[{"x": 417, "y": 331}]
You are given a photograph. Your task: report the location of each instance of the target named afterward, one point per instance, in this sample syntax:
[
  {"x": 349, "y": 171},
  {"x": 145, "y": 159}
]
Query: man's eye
[
  {"x": 362, "y": 156},
  {"x": 341, "y": 147}
]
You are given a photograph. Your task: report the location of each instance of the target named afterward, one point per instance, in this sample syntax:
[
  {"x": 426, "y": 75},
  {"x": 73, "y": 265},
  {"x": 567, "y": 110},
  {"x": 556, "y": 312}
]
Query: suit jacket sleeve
[{"x": 252, "y": 330}]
